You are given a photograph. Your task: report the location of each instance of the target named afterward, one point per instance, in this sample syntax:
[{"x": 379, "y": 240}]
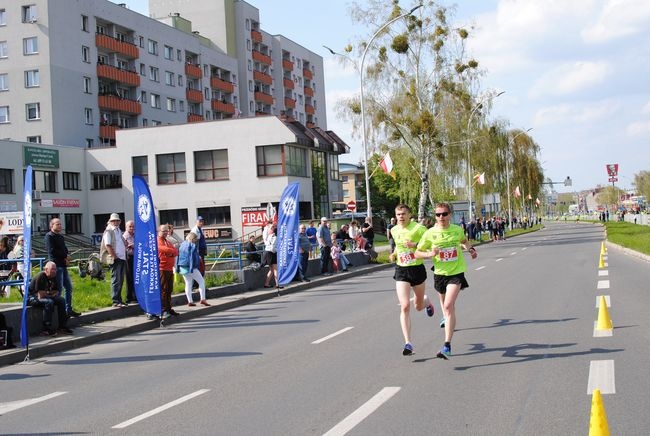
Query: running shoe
[
  {"x": 442, "y": 322},
  {"x": 408, "y": 349},
  {"x": 430, "y": 309},
  {"x": 444, "y": 353}
]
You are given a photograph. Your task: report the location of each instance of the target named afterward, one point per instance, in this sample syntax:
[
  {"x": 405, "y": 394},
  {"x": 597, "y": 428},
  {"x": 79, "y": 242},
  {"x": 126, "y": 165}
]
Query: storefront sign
[
  {"x": 60, "y": 202},
  {"x": 8, "y": 206},
  {"x": 41, "y": 157},
  {"x": 11, "y": 223},
  {"x": 253, "y": 216}
]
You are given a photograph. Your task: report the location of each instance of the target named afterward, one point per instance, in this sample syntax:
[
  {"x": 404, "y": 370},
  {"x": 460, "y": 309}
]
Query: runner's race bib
[
  {"x": 448, "y": 254},
  {"x": 406, "y": 258}
]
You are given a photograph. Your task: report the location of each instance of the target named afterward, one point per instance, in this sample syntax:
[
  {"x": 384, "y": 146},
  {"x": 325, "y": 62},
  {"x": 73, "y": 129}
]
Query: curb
[{"x": 628, "y": 251}]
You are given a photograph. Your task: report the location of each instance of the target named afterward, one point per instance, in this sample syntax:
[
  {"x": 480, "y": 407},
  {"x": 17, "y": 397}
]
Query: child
[{"x": 338, "y": 258}]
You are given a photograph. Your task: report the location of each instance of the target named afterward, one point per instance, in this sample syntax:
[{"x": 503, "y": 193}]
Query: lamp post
[
  {"x": 511, "y": 142},
  {"x": 363, "y": 112},
  {"x": 469, "y": 166}
]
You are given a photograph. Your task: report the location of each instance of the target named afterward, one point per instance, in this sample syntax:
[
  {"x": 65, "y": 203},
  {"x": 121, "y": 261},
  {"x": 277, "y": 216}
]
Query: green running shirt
[
  {"x": 401, "y": 235},
  {"x": 450, "y": 260}
]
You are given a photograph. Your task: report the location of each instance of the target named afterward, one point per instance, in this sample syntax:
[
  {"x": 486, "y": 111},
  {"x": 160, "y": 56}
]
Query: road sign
[
  {"x": 352, "y": 206},
  {"x": 613, "y": 179}
]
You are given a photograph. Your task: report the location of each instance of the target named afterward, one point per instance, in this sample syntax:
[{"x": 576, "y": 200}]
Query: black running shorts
[
  {"x": 440, "y": 282},
  {"x": 414, "y": 275}
]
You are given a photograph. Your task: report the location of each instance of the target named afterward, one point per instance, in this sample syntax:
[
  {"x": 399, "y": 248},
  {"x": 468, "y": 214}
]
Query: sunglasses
[{"x": 442, "y": 214}]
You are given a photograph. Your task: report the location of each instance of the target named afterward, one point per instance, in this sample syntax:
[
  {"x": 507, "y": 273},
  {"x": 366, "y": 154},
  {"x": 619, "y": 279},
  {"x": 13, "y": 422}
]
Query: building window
[
  {"x": 143, "y": 70},
  {"x": 169, "y": 78},
  {"x": 4, "y": 114},
  {"x": 85, "y": 54},
  {"x": 145, "y": 122},
  {"x": 344, "y": 179},
  {"x": 169, "y": 53},
  {"x": 152, "y": 47},
  {"x": 73, "y": 223},
  {"x": 29, "y": 14},
  {"x": 4, "y": 82},
  {"x": 30, "y": 46},
  {"x": 296, "y": 161},
  {"x": 153, "y": 74},
  {"x": 155, "y": 101},
  {"x": 171, "y": 168},
  {"x": 36, "y": 139},
  {"x": 32, "y": 79},
  {"x": 87, "y": 85},
  {"x": 3, "y": 49},
  {"x": 90, "y": 142},
  {"x": 44, "y": 181},
  {"x": 156, "y": 123},
  {"x": 143, "y": 96},
  {"x": 106, "y": 180},
  {"x": 175, "y": 217},
  {"x": 88, "y": 115},
  {"x": 181, "y": 105},
  {"x": 171, "y": 104},
  {"x": 319, "y": 183},
  {"x": 3, "y": 17},
  {"x": 141, "y": 166},
  {"x": 179, "y": 55},
  {"x": 141, "y": 41},
  {"x": 180, "y": 80},
  {"x": 33, "y": 111},
  {"x": 334, "y": 166},
  {"x": 215, "y": 215},
  {"x": 71, "y": 181},
  {"x": 211, "y": 165},
  {"x": 84, "y": 23},
  {"x": 269, "y": 160},
  {"x": 6, "y": 181},
  {"x": 206, "y": 93}
]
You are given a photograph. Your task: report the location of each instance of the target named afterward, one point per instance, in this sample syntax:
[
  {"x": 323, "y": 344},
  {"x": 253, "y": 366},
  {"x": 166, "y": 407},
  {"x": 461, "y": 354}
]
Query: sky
[{"x": 576, "y": 72}]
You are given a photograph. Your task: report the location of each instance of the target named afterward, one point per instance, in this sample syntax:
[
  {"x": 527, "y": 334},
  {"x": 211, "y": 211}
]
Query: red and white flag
[
  {"x": 517, "y": 192},
  {"x": 386, "y": 164},
  {"x": 480, "y": 178}
]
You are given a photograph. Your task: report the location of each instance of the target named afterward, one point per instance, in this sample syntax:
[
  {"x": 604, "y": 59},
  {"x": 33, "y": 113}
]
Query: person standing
[
  {"x": 304, "y": 247},
  {"x": 325, "y": 243},
  {"x": 113, "y": 246},
  {"x": 389, "y": 236},
  {"x": 311, "y": 235},
  {"x": 167, "y": 259},
  {"x": 58, "y": 253},
  {"x": 270, "y": 258},
  {"x": 129, "y": 243},
  {"x": 443, "y": 243},
  {"x": 368, "y": 233},
  {"x": 43, "y": 292},
  {"x": 410, "y": 273},
  {"x": 202, "y": 245},
  {"x": 187, "y": 264}
]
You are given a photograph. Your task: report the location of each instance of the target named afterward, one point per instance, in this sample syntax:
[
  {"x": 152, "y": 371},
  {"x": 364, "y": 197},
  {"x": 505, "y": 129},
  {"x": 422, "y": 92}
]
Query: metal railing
[{"x": 6, "y": 281}]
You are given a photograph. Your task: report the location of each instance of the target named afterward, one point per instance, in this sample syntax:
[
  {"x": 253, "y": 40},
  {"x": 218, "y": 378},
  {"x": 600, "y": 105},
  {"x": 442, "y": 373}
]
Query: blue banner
[
  {"x": 287, "y": 243},
  {"x": 146, "y": 274},
  {"x": 27, "y": 250}
]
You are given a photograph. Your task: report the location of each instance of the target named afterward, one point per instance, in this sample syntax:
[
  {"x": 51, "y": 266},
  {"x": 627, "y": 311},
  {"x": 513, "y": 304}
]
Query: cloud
[
  {"x": 639, "y": 128},
  {"x": 646, "y": 108},
  {"x": 618, "y": 19},
  {"x": 574, "y": 114},
  {"x": 571, "y": 77}
]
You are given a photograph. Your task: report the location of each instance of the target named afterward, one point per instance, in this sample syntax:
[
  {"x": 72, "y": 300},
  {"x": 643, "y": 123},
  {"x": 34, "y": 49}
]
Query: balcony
[
  {"x": 194, "y": 96},
  {"x": 262, "y": 77},
  {"x": 194, "y": 118},
  {"x": 222, "y": 85},
  {"x": 107, "y": 131},
  {"x": 287, "y": 65},
  {"x": 289, "y": 103},
  {"x": 264, "y": 98},
  {"x": 309, "y": 109},
  {"x": 256, "y": 36},
  {"x": 193, "y": 71},
  {"x": 307, "y": 74},
  {"x": 309, "y": 92},
  {"x": 310, "y": 125},
  {"x": 288, "y": 83},
  {"x": 220, "y": 106},
  {"x": 110, "y": 72},
  {"x": 113, "y": 45},
  {"x": 114, "y": 103},
  {"x": 259, "y": 57}
]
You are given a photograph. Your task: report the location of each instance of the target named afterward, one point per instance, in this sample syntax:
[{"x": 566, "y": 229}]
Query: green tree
[
  {"x": 609, "y": 196},
  {"x": 642, "y": 184}
]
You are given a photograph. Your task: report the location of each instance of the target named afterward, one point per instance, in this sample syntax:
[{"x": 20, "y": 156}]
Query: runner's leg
[
  {"x": 448, "y": 303},
  {"x": 403, "y": 293}
]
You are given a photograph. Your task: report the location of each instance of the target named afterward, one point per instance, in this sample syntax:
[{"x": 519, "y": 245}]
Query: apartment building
[{"x": 76, "y": 72}]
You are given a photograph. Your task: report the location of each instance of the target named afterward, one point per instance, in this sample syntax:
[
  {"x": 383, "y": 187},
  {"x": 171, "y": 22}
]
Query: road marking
[
  {"x": 603, "y": 284},
  {"x": 499, "y": 259},
  {"x": 602, "y": 333},
  {"x": 15, "y": 405},
  {"x": 332, "y": 335},
  {"x": 523, "y": 248},
  {"x": 601, "y": 376},
  {"x": 479, "y": 268},
  {"x": 513, "y": 253},
  {"x": 603, "y": 273},
  {"x": 161, "y": 408},
  {"x": 362, "y": 412},
  {"x": 607, "y": 301}
]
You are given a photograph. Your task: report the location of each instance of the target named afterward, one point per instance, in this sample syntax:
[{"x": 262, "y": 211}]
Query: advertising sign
[
  {"x": 253, "y": 216},
  {"x": 11, "y": 223},
  {"x": 41, "y": 157},
  {"x": 60, "y": 202},
  {"x": 612, "y": 170}
]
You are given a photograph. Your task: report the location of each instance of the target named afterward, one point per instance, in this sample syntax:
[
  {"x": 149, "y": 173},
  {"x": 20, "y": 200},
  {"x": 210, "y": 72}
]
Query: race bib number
[
  {"x": 448, "y": 254},
  {"x": 406, "y": 258}
]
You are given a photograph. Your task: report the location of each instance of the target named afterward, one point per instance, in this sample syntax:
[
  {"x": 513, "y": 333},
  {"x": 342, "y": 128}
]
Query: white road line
[
  {"x": 332, "y": 335},
  {"x": 513, "y": 253},
  {"x": 479, "y": 268},
  {"x": 602, "y": 333},
  {"x": 362, "y": 412},
  {"x": 15, "y": 405},
  {"x": 523, "y": 248},
  {"x": 161, "y": 409},
  {"x": 607, "y": 301},
  {"x": 603, "y": 273},
  {"x": 499, "y": 259},
  {"x": 601, "y": 376},
  {"x": 603, "y": 284}
]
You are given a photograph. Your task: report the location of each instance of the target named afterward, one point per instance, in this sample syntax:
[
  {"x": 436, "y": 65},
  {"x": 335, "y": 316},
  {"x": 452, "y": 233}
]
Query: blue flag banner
[
  {"x": 146, "y": 275},
  {"x": 27, "y": 250},
  {"x": 287, "y": 243}
]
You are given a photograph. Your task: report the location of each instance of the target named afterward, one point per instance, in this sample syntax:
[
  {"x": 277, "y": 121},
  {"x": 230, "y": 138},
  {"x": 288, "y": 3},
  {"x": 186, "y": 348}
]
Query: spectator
[
  {"x": 115, "y": 256},
  {"x": 19, "y": 253},
  {"x": 251, "y": 251},
  {"x": 391, "y": 241},
  {"x": 342, "y": 236},
  {"x": 357, "y": 236},
  {"x": 325, "y": 243},
  {"x": 5, "y": 267},
  {"x": 304, "y": 247},
  {"x": 368, "y": 233},
  {"x": 129, "y": 243},
  {"x": 339, "y": 260},
  {"x": 173, "y": 237},
  {"x": 166, "y": 255},
  {"x": 43, "y": 292},
  {"x": 203, "y": 246},
  {"x": 270, "y": 258},
  {"x": 58, "y": 253},
  {"x": 311, "y": 235},
  {"x": 187, "y": 264}
]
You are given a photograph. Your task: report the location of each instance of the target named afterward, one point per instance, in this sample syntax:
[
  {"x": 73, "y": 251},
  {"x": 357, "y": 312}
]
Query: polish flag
[
  {"x": 386, "y": 164},
  {"x": 517, "y": 192},
  {"x": 480, "y": 178}
]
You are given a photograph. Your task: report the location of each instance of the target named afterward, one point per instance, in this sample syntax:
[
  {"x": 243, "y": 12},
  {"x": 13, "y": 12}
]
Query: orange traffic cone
[
  {"x": 601, "y": 262},
  {"x": 604, "y": 321},
  {"x": 598, "y": 420},
  {"x": 603, "y": 250}
]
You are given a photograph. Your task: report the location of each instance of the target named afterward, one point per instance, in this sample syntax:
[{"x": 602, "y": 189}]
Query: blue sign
[
  {"x": 287, "y": 243},
  {"x": 27, "y": 250}
]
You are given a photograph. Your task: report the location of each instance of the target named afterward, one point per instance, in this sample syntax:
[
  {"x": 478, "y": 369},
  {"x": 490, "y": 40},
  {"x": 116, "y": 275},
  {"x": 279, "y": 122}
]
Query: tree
[
  {"x": 609, "y": 196},
  {"x": 642, "y": 184}
]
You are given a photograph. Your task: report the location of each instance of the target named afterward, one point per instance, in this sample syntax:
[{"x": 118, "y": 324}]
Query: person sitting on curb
[{"x": 43, "y": 293}]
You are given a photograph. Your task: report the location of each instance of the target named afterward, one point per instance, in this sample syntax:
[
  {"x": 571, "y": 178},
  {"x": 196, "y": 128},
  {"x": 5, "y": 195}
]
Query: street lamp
[
  {"x": 363, "y": 112},
  {"x": 469, "y": 166},
  {"x": 511, "y": 142}
]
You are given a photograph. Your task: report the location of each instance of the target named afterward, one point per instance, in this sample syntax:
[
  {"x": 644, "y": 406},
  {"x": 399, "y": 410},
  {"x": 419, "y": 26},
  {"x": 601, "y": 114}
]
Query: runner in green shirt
[
  {"x": 409, "y": 271},
  {"x": 444, "y": 242}
]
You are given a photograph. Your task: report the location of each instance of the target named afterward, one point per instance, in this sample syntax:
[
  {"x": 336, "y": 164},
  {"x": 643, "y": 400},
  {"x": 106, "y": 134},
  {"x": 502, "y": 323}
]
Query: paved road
[{"x": 329, "y": 359}]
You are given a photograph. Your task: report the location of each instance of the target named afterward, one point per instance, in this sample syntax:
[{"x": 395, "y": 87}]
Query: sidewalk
[{"x": 88, "y": 331}]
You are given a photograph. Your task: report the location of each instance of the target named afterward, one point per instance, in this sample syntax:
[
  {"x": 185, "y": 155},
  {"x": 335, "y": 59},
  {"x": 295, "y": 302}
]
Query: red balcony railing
[
  {"x": 107, "y": 131},
  {"x": 222, "y": 85},
  {"x": 287, "y": 65},
  {"x": 289, "y": 103},
  {"x": 264, "y": 98},
  {"x": 116, "y": 46},
  {"x": 309, "y": 109},
  {"x": 259, "y": 57},
  {"x": 307, "y": 73},
  {"x": 113, "y": 73},
  {"x": 219, "y": 106},
  {"x": 194, "y": 118},
  {"x": 288, "y": 83},
  {"x": 194, "y": 95},
  {"x": 114, "y": 103},
  {"x": 309, "y": 92},
  {"x": 256, "y": 36},
  {"x": 193, "y": 71},
  {"x": 262, "y": 77}
]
